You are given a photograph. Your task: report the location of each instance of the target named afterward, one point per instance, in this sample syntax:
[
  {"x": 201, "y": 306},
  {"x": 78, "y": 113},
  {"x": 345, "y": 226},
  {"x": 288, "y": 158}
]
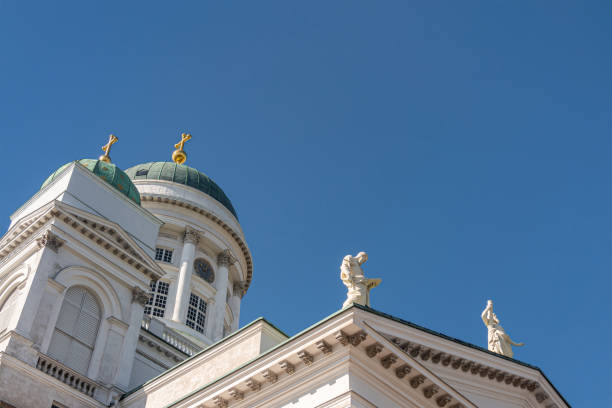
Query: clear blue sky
[{"x": 466, "y": 146}]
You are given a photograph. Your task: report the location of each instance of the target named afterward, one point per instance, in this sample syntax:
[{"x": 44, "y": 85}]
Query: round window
[{"x": 204, "y": 270}]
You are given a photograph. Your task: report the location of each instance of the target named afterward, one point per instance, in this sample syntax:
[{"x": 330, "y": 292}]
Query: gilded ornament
[
  {"x": 112, "y": 139},
  {"x": 179, "y": 155}
]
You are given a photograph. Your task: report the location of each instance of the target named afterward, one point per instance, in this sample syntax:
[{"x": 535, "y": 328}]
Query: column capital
[
  {"x": 191, "y": 236},
  {"x": 238, "y": 289},
  {"x": 139, "y": 296},
  {"x": 49, "y": 240},
  {"x": 225, "y": 258}
]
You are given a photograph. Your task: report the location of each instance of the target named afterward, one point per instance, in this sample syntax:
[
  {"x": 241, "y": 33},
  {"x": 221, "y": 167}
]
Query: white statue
[
  {"x": 356, "y": 283},
  {"x": 499, "y": 341}
]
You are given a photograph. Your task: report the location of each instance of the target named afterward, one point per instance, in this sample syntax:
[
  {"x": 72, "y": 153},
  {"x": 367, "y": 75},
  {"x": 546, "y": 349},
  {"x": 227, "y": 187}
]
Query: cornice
[
  {"x": 160, "y": 345},
  {"x": 346, "y": 330},
  {"x": 237, "y": 236},
  {"x": 102, "y": 232}
]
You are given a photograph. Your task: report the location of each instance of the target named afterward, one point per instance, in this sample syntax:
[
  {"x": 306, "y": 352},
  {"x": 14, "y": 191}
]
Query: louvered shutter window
[{"x": 76, "y": 330}]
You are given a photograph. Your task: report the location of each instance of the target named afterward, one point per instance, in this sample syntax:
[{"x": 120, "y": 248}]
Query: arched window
[
  {"x": 7, "y": 308},
  {"x": 76, "y": 330},
  {"x": 203, "y": 270}
]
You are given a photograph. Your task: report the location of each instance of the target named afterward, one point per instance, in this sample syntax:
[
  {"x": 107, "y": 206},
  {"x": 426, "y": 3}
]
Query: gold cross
[
  {"x": 179, "y": 156},
  {"x": 112, "y": 139},
  {"x": 184, "y": 137}
]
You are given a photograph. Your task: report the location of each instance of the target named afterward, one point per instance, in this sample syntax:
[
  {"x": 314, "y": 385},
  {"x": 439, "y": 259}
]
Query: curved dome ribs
[{"x": 181, "y": 174}]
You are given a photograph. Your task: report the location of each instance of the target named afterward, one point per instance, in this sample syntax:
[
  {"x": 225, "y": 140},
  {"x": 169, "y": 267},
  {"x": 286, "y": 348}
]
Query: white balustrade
[{"x": 66, "y": 375}]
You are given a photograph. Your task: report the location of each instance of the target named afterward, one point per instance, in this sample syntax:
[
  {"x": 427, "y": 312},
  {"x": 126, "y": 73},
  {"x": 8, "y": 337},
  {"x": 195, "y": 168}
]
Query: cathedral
[{"x": 122, "y": 288}]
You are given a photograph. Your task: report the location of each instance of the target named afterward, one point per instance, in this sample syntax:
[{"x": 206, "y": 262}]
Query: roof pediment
[
  {"x": 459, "y": 362},
  {"x": 104, "y": 233},
  {"x": 360, "y": 355}
]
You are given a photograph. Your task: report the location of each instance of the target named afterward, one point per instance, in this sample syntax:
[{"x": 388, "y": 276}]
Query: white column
[
  {"x": 124, "y": 373},
  {"x": 235, "y": 304},
  {"x": 183, "y": 287},
  {"x": 224, "y": 260}
]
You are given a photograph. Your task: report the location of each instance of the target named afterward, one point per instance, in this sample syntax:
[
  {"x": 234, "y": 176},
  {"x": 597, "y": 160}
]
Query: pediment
[
  {"x": 106, "y": 234},
  {"x": 111, "y": 237},
  {"x": 465, "y": 366},
  {"x": 356, "y": 357},
  {"x": 383, "y": 361}
]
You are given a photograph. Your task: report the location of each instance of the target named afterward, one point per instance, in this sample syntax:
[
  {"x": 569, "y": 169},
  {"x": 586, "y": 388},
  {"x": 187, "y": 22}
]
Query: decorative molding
[
  {"x": 457, "y": 363},
  {"x": 270, "y": 376},
  {"x": 287, "y": 366},
  {"x": 253, "y": 384},
  {"x": 443, "y": 400},
  {"x": 225, "y": 258},
  {"x": 140, "y": 296},
  {"x": 306, "y": 357},
  {"x": 417, "y": 380},
  {"x": 373, "y": 349},
  {"x": 50, "y": 240},
  {"x": 402, "y": 371},
  {"x": 191, "y": 236},
  {"x": 220, "y": 402},
  {"x": 323, "y": 346},
  {"x": 166, "y": 235},
  {"x": 357, "y": 338},
  {"x": 236, "y": 394},
  {"x": 239, "y": 289},
  {"x": 430, "y": 391},
  {"x": 342, "y": 338},
  {"x": 388, "y": 360},
  {"x": 354, "y": 339}
]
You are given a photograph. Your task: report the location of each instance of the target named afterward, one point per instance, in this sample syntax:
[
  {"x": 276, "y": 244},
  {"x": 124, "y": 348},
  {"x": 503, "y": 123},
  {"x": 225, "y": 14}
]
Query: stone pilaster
[
  {"x": 139, "y": 299},
  {"x": 49, "y": 244}
]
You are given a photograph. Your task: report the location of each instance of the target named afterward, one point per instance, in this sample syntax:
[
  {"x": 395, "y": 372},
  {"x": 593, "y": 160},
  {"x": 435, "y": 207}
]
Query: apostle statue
[
  {"x": 358, "y": 286},
  {"x": 498, "y": 341}
]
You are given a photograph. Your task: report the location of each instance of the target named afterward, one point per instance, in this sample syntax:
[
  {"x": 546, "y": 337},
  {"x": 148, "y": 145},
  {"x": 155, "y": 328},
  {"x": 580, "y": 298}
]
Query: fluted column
[
  {"x": 224, "y": 260},
  {"x": 183, "y": 286}
]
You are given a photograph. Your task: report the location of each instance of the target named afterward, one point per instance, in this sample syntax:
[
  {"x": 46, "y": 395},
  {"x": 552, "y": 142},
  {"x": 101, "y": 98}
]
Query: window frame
[
  {"x": 158, "y": 301},
  {"x": 212, "y": 271},
  {"x": 164, "y": 254},
  {"x": 198, "y": 311},
  {"x": 73, "y": 337}
]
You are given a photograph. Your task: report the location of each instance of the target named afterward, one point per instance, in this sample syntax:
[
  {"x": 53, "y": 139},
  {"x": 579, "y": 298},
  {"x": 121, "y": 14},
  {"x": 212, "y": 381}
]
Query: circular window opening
[{"x": 203, "y": 269}]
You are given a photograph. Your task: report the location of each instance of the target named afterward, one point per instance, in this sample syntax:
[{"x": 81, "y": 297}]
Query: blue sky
[{"x": 465, "y": 146}]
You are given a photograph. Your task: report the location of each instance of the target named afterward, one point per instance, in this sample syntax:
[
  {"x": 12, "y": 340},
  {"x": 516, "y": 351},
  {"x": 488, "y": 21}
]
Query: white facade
[{"x": 104, "y": 302}]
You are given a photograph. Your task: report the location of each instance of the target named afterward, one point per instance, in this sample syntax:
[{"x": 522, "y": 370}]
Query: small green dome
[
  {"x": 181, "y": 174},
  {"x": 108, "y": 172}
]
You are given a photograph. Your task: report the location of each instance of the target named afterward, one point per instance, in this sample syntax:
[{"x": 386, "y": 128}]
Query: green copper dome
[
  {"x": 178, "y": 173},
  {"x": 108, "y": 172}
]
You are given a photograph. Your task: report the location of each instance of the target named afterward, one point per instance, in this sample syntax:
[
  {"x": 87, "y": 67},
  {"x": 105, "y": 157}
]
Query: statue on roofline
[
  {"x": 358, "y": 286},
  {"x": 498, "y": 341}
]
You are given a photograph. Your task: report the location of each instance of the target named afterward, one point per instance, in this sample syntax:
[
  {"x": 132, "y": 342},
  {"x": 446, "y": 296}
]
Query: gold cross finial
[
  {"x": 179, "y": 156},
  {"x": 112, "y": 139}
]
